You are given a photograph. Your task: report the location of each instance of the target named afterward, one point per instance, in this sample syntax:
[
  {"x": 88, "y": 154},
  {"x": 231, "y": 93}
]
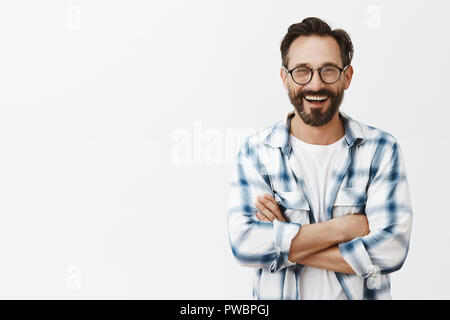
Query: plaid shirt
[{"x": 369, "y": 177}]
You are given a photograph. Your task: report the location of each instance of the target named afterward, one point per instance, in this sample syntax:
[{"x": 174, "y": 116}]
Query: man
[{"x": 319, "y": 203}]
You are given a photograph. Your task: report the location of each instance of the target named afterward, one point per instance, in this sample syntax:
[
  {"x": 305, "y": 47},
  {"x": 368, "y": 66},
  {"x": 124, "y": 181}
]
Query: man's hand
[{"x": 268, "y": 209}]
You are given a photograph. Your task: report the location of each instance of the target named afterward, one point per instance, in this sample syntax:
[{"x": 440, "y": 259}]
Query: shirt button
[{"x": 372, "y": 271}]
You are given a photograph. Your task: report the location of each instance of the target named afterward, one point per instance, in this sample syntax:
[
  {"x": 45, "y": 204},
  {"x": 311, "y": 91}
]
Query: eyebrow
[{"x": 308, "y": 65}]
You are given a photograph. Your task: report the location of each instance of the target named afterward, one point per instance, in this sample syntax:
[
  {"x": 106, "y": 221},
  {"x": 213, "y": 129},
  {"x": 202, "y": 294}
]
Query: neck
[{"x": 323, "y": 135}]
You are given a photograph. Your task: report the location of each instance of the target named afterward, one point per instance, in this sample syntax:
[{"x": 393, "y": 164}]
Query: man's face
[{"x": 315, "y": 52}]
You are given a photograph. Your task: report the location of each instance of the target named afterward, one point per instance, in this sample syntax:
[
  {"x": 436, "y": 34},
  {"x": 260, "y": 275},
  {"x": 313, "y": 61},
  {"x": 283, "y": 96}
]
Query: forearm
[
  {"x": 328, "y": 259},
  {"x": 313, "y": 238}
]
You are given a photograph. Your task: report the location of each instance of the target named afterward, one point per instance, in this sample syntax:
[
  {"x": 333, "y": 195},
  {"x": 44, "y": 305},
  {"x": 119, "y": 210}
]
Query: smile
[{"x": 316, "y": 99}]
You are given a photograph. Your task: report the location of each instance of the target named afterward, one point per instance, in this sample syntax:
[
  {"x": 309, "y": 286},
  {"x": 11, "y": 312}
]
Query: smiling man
[{"x": 319, "y": 203}]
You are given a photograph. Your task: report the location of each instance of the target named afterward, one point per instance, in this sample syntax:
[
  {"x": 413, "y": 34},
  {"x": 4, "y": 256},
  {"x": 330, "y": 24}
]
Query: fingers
[
  {"x": 264, "y": 210},
  {"x": 262, "y": 217},
  {"x": 269, "y": 207},
  {"x": 270, "y": 198},
  {"x": 269, "y": 202}
]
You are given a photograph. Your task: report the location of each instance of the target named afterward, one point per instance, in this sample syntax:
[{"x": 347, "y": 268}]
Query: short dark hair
[{"x": 315, "y": 26}]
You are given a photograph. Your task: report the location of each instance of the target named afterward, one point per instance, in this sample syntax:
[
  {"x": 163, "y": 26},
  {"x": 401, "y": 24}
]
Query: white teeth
[{"x": 316, "y": 98}]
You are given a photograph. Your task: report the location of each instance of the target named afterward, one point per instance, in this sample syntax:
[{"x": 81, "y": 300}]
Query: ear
[
  {"x": 348, "y": 76},
  {"x": 284, "y": 79}
]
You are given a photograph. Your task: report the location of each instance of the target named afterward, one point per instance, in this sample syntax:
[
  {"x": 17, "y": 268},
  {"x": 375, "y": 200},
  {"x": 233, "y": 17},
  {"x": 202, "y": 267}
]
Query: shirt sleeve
[
  {"x": 255, "y": 243},
  {"x": 389, "y": 213}
]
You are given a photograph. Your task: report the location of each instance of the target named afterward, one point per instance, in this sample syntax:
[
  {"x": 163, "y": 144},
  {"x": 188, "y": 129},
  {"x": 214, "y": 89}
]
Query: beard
[{"x": 316, "y": 118}]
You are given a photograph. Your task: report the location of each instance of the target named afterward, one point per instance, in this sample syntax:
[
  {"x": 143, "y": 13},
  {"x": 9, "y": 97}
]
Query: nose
[{"x": 316, "y": 83}]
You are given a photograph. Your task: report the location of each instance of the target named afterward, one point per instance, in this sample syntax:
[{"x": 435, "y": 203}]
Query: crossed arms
[
  {"x": 315, "y": 244},
  {"x": 350, "y": 244}
]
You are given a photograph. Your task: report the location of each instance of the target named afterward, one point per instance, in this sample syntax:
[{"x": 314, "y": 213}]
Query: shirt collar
[{"x": 279, "y": 136}]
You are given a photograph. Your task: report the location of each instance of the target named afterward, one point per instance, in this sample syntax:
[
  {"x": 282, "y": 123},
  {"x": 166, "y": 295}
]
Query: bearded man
[{"x": 319, "y": 203}]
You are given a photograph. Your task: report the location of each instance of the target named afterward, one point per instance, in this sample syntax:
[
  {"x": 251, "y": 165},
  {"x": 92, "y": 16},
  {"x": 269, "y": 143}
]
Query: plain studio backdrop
[{"x": 120, "y": 121}]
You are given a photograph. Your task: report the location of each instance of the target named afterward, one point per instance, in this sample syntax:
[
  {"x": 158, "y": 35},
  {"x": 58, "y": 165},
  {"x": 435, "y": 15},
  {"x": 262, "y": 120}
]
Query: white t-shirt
[{"x": 317, "y": 162}]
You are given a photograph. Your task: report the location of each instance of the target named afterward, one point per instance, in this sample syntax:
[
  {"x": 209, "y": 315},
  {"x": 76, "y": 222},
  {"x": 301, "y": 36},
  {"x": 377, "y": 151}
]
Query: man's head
[{"x": 312, "y": 44}]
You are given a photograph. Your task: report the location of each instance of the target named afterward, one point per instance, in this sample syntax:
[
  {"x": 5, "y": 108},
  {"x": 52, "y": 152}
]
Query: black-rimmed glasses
[{"x": 303, "y": 75}]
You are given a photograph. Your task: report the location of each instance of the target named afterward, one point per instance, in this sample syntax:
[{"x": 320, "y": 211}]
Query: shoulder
[
  {"x": 378, "y": 137},
  {"x": 374, "y": 136}
]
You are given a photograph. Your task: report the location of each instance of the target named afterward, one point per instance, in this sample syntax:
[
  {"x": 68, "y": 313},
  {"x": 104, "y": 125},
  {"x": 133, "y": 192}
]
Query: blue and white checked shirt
[{"x": 369, "y": 177}]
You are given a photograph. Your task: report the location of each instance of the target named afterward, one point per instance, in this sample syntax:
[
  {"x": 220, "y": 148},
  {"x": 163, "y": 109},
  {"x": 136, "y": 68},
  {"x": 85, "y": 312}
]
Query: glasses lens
[
  {"x": 330, "y": 74},
  {"x": 301, "y": 75}
]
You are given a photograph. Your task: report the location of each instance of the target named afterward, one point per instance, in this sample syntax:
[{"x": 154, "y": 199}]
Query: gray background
[{"x": 119, "y": 122}]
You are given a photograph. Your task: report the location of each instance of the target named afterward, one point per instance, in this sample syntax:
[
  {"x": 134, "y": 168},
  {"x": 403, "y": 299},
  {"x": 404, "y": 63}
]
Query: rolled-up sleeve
[
  {"x": 255, "y": 243},
  {"x": 389, "y": 213}
]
